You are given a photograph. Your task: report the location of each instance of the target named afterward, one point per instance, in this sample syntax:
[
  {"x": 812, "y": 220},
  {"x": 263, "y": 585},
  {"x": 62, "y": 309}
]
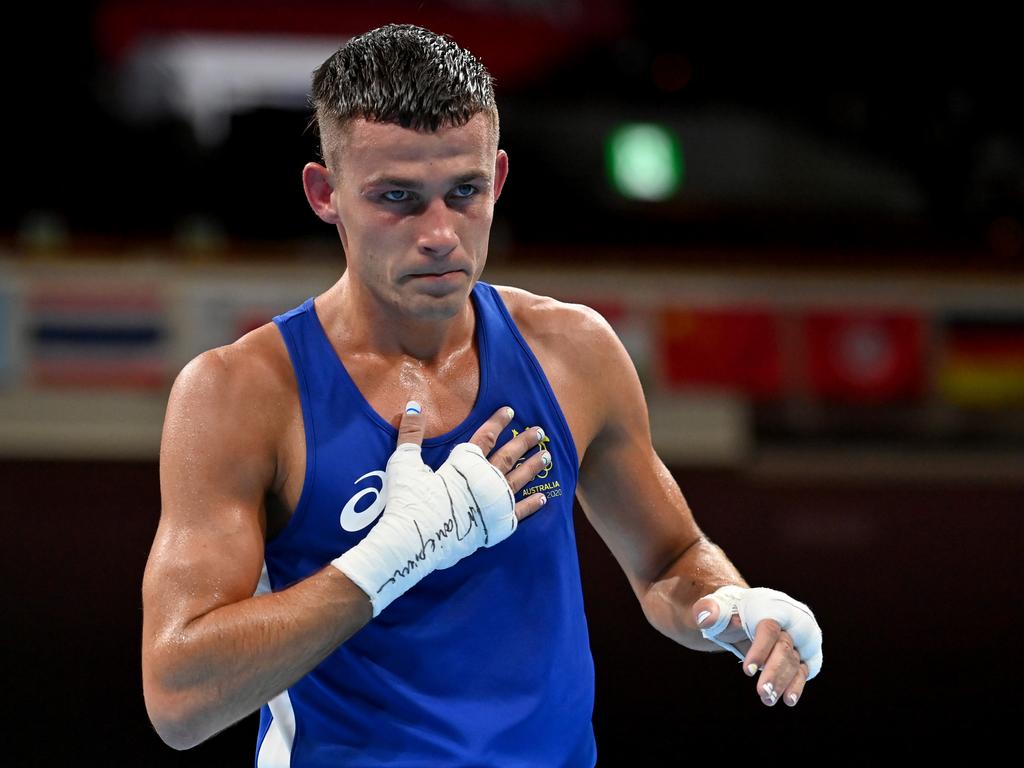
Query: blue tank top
[{"x": 486, "y": 663}]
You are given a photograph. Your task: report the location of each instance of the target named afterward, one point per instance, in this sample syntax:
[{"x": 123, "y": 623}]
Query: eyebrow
[{"x": 399, "y": 181}]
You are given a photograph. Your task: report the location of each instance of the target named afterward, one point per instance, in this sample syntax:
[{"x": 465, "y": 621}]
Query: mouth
[
  {"x": 438, "y": 282},
  {"x": 438, "y": 275}
]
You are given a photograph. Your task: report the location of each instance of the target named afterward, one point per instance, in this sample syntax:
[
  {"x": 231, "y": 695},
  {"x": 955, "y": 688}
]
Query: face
[{"x": 414, "y": 211}]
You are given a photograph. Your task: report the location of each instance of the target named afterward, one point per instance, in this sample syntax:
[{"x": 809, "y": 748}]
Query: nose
[{"x": 437, "y": 236}]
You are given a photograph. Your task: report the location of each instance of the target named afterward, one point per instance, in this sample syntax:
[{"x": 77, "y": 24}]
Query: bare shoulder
[
  {"x": 586, "y": 364},
  {"x": 231, "y": 408},
  {"x": 253, "y": 370},
  {"x": 573, "y": 331}
]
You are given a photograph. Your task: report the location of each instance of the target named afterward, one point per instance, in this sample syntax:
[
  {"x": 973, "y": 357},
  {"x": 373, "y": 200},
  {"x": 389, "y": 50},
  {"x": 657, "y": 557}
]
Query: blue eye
[
  {"x": 396, "y": 196},
  {"x": 464, "y": 190}
]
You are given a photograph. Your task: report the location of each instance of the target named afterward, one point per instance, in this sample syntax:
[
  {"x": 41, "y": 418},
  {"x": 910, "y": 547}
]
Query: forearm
[
  {"x": 667, "y": 603},
  {"x": 219, "y": 667}
]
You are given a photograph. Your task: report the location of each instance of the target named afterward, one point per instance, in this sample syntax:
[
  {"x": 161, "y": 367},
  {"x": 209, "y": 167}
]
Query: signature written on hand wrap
[{"x": 450, "y": 528}]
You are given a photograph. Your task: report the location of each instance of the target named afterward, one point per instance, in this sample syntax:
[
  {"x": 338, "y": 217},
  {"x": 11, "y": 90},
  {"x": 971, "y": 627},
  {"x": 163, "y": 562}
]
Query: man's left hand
[{"x": 749, "y": 622}]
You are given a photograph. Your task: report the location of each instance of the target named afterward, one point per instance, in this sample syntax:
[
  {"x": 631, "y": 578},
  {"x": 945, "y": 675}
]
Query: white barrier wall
[{"x": 88, "y": 349}]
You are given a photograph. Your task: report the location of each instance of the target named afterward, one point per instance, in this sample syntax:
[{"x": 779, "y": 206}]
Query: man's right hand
[{"x": 434, "y": 519}]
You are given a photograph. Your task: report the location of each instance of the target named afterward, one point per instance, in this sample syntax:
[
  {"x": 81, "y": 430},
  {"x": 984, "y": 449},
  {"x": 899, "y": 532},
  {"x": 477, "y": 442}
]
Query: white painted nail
[
  {"x": 769, "y": 691},
  {"x": 509, "y": 413},
  {"x": 412, "y": 407},
  {"x": 791, "y": 699},
  {"x": 751, "y": 669},
  {"x": 543, "y": 499},
  {"x": 546, "y": 458},
  {"x": 702, "y": 615},
  {"x": 540, "y": 434}
]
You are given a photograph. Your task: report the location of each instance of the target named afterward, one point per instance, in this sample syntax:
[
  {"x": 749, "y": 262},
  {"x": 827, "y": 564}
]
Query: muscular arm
[
  {"x": 625, "y": 490},
  {"x": 634, "y": 503},
  {"x": 212, "y": 652}
]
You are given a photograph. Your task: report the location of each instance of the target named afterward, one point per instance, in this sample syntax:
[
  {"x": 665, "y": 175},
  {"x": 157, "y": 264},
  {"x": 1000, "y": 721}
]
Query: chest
[{"x": 446, "y": 391}]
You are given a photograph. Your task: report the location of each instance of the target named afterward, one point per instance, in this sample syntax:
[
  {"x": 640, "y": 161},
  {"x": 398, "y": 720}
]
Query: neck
[{"x": 356, "y": 319}]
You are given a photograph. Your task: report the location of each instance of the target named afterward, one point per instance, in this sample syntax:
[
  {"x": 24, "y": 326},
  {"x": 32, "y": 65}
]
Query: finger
[
  {"x": 705, "y": 613},
  {"x": 505, "y": 457},
  {"x": 796, "y": 688},
  {"x": 765, "y": 637},
  {"x": 410, "y": 428},
  {"x": 780, "y": 670},
  {"x": 528, "y": 470},
  {"x": 727, "y": 629},
  {"x": 530, "y": 504},
  {"x": 487, "y": 435}
]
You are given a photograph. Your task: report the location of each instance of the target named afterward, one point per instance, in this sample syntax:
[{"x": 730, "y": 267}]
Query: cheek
[{"x": 479, "y": 232}]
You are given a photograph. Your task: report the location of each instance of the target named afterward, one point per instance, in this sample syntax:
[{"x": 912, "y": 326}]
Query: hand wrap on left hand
[{"x": 753, "y": 605}]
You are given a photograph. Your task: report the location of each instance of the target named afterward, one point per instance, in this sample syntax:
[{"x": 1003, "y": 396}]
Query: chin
[
  {"x": 437, "y": 302},
  {"x": 438, "y": 308}
]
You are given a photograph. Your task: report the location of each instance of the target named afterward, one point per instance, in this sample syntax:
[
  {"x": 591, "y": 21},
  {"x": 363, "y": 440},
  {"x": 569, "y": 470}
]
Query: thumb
[
  {"x": 705, "y": 613},
  {"x": 410, "y": 429}
]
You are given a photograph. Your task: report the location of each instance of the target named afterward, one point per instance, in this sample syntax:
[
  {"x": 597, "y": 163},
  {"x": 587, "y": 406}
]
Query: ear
[
  {"x": 319, "y": 186},
  {"x": 500, "y": 172}
]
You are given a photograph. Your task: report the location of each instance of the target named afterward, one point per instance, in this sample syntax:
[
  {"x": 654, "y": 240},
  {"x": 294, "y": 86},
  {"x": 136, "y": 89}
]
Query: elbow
[
  {"x": 176, "y": 725},
  {"x": 174, "y": 711},
  {"x": 175, "y": 736}
]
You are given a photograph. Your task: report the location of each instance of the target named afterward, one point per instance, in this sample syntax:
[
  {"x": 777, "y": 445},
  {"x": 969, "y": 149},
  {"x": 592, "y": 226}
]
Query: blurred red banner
[
  {"x": 734, "y": 349},
  {"x": 857, "y": 355}
]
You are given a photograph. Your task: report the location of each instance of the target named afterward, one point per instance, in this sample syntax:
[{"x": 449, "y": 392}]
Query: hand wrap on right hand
[{"x": 432, "y": 520}]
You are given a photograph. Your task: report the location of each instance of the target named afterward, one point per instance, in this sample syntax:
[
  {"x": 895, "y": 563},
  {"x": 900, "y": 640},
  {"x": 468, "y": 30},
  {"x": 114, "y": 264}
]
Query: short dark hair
[{"x": 402, "y": 74}]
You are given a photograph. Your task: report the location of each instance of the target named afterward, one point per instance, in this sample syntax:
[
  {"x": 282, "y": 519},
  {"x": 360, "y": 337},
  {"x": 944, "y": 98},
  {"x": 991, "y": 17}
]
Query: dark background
[
  {"x": 913, "y": 580},
  {"x": 914, "y": 585},
  {"x": 934, "y": 101}
]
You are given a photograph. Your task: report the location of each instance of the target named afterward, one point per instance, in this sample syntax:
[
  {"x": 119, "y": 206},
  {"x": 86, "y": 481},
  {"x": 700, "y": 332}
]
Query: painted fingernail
[
  {"x": 769, "y": 691},
  {"x": 412, "y": 407},
  {"x": 540, "y": 434},
  {"x": 751, "y": 670},
  {"x": 546, "y": 458},
  {"x": 702, "y": 615},
  {"x": 509, "y": 413},
  {"x": 543, "y": 499},
  {"x": 791, "y": 699}
]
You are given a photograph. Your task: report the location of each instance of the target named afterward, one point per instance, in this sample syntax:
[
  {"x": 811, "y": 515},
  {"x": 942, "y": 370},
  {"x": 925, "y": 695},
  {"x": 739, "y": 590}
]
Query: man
[{"x": 376, "y": 638}]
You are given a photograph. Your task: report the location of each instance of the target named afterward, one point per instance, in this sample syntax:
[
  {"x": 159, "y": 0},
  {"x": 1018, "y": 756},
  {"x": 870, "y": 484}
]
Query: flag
[
  {"x": 864, "y": 355},
  {"x": 97, "y": 336},
  {"x": 6, "y": 329},
  {"x": 732, "y": 348},
  {"x": 982, "y": 360}
]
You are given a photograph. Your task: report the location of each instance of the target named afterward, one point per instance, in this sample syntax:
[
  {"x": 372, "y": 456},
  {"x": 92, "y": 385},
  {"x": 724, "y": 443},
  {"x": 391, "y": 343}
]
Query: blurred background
[{"x": 807, "y": 231}]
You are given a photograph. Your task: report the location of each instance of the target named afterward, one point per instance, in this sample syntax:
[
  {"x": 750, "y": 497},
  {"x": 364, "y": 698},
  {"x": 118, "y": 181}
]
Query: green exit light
[{"x": 645, "y": 161}]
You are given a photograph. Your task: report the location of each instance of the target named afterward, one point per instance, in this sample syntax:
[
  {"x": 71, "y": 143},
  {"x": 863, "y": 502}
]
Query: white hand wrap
[
  {"x": 432, "y": 520},
  {"x": 755, "y": 605}
]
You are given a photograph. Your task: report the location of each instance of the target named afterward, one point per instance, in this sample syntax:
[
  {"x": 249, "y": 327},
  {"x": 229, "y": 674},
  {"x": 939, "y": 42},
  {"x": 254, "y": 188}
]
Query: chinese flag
[{"x": 734, "y": 349}]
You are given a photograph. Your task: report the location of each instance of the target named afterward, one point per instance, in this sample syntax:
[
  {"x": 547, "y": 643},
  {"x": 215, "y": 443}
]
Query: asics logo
[{"x": 353, "y": 519}]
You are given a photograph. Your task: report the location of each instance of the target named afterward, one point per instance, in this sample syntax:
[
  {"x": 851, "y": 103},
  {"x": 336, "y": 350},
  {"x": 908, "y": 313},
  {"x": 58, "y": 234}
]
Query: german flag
[{"x": 982, "y": 361}]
